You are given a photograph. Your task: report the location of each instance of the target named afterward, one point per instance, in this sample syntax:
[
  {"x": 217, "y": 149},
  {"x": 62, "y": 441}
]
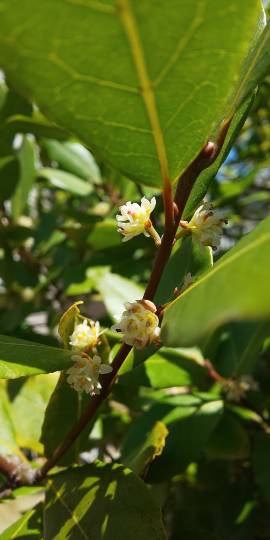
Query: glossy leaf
[
  {"x": 167, "y": 368},
  {"x": 186, "y": 257},
  {"x": 67, "y": 322},
  {"x": 100, "y": 501},
  {"x": 126, "y": 104},
  {"x": 27, "y": 161},
  {"x": 73, "y": 158},
  {"x": 66, "y": 181},
  {"x": 227, "y": 293},
  {"x": 115, "y": 291},
  {"x": 19, "y": 357}
]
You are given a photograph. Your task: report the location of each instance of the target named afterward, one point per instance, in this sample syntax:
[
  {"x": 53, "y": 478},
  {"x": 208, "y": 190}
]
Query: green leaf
[
  {"x": 189, "y": 422},
  {"x": 67, "y": 322},
  {"x": 153, "y": 446},
  {"x": 64, "y": 409},
  {"x": 104, "y": 235},
  {"x": 227, "y": 293},
  {"x": 126, "y": 104},
  {"x": 187, "y": 257},
  {"x": 8, "y": 443},
  {"x": 115, "y": 291},
  {"x": 261, "y": 463},
  {"x": 229, "y": 440},
  {"x": 27, "y": 161},
  {"x": 66, "y": 181},
  {"x": 255, "y": 68},
  {"x": 28, "y": 409},
  {"x": 100, "y": 501},
  {"x": 73, "y": 158},
  {"x": 167, "y": 368},
  {"x": 203, "y": 182},
  {"x": 19, "y": 357},
  {"x": 9, "y": 176},
  {"x": 37, "y": 125},
  {"x": 28, "y": 527}
]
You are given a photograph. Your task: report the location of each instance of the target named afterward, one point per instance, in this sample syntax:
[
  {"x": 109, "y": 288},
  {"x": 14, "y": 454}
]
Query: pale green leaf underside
[
  {"x": 143, "y": 83},
  {"x": 237, "y": 288},
  {"x": 19, "y": 358}
]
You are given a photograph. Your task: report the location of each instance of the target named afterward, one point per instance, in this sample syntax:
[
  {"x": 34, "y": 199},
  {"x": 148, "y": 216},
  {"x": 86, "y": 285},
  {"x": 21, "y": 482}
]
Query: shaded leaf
[
  {"x": 153, "y": 446},
  {"x": 29, "y": 526},
  {"x": 27, "y": 161},
  {"x": 73, "y": 158},
  {"x": 229, "y": 440},
  {"x": 100, "y": 501}
]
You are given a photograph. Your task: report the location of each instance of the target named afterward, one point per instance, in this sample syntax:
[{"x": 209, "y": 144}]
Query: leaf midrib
[{"x": 146, "y": 87}]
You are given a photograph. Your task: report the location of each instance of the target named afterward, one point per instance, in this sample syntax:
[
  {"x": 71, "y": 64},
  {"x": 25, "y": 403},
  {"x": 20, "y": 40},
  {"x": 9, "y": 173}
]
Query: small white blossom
[
  {"x": 236, "y": 389},
  {"x": 139, "y": 324},
  {"x": 83, "y": 376},
  {"x": 206, "y": 225},
  {"x": 85, "y": 335},
  {"x": 135, "y": 219}
]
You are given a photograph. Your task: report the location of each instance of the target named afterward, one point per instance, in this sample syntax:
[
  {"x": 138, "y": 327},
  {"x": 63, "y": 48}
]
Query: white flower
[
  {"x": 139, "y": 324},
  {"x": 85, "y": 335},
  {"x": 84, "y": 374},
  {"x": 236, "y": 388},
  {"x": 23, "y": 472},
  {"x": 206, "y": 225},
  {"x": 135, "y": 219}
]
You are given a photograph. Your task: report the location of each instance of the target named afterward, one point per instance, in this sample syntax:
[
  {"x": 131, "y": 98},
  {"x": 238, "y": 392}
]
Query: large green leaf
[
  {"x": 237, "y": 288},
  {"x": 100, "y": 501},
  {"x": 139, "y": 81},
  {"x": 74, "y": 158},
  {"x": 19, "y": 358},
  {"x": 66, "y": 181}
]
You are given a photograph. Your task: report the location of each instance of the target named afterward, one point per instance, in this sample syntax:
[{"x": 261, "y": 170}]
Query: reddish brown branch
[{"x": 173, "y": 212}]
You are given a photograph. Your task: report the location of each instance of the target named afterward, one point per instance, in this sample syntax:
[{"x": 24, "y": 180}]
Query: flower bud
[{"x": 139, "y": 324}]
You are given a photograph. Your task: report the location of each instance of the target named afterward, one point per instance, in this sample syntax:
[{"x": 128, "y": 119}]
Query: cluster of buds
[
  {"x": 236, "y": 389},
  {"x": 83, "y": 376},
  {"x": 139, "y": 324},
  {"x": 205, "y": 226},
  {"x": 134, "y": 219}
]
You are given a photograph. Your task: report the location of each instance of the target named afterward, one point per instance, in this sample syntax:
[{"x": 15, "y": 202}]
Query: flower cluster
[
  {"x": 83, "y": 376},
  {"x": 139, "y": 324},
  {"x": 236, "y": 389},
  {"x": 85, "y": 335},
  {"x": 134, "y": 219},
  {"x": 205, "y": 225}
]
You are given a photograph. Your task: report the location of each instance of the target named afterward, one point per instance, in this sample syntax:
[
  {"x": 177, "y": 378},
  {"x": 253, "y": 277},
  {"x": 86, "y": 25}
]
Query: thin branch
[
  {"x": 173, "y": 213},
  {"x": 8, "y": 469}
]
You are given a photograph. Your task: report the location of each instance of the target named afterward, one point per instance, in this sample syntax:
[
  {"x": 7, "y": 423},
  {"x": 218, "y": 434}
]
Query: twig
[
  {"x": 8, "y": 469},
  {"x": 173, "y": 212}
]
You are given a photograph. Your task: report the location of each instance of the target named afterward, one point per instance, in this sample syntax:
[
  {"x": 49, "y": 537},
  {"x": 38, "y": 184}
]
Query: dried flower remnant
[
  {"x": 205, "y": 225},
  {"x": 85, "y": 335},
  {"x": 134, "y": 219},
  {"x": 236, "y": 389},
  {"x": 83, "y": 376},
  {"x": 139, "y": 324}
]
